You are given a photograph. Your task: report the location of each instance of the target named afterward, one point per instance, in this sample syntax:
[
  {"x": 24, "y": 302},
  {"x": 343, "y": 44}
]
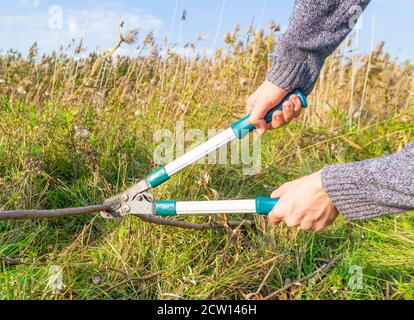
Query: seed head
[
  {"x": 184, "y": 15},
  {"x": 131, "y": 36},
  {"x": 149, "y": 39}
]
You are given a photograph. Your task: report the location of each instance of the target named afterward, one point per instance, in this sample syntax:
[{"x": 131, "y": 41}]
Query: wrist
[
  {"x": 290, "y": 75},
  {"x": 342, "y": 184}
]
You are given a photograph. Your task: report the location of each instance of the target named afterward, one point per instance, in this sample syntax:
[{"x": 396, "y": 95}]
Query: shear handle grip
[{"x": 242, "y": 127}]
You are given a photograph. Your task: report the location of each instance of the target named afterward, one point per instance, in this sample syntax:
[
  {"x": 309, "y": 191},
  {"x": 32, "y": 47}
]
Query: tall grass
[{"x": 76, "y": 130}]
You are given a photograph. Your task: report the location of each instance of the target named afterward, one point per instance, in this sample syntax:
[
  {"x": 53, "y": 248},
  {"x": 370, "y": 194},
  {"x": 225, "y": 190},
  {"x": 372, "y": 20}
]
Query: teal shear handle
[
  {"x": 260, "y": 206},
  {"x": 238, "y": 130},
  {"x": 265, "y": 205},
  {"x": 242, "y": 127}
]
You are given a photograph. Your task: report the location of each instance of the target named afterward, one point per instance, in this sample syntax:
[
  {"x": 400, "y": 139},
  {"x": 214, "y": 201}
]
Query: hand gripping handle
[{"x": 242, "y": 127}]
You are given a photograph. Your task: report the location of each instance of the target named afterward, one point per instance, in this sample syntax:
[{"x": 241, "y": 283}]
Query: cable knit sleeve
[
  {"x": 316, "y": 29},
  {"x": 372, "y": 188}
]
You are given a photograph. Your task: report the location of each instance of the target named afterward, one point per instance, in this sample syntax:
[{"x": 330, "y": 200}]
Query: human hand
[
  {"x": 303, "y": 203},
  {"x": 265, "y": 98}
]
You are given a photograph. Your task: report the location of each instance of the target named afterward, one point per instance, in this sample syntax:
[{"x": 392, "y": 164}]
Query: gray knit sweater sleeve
[
  {"x": 374, "y": 187},
  {"x": 359, "y": 190},
  {"x": 316, "y": 29}
]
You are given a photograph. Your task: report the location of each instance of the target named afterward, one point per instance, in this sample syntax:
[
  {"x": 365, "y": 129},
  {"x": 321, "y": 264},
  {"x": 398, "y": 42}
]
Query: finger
[
  {"x": 327, "y": 219},
  {"x": 291, "y": 216},
  {"x": 324, "y": 222},
  {"x": 278, "y": 120},
  {"x": 281, "y": 208},
  {"x": 317, "y": 227},
  {"x": 257, "y": 117},
  {"x": 278, "y": 193},
  {"x": 267, "y": 97},
  {"x": 288, "y": 111},
  {"x": 250, "y": 104},
  {"x": 297, "y": 105},
  {"x": 292, "y": 220},
  {"x": 260, "y": 125},
  {"x": 274, "y": 219},
  {"x": 276, "y": 215},
  {"x": 307, "y": 225},
  {"x": 332, "y": 217}
]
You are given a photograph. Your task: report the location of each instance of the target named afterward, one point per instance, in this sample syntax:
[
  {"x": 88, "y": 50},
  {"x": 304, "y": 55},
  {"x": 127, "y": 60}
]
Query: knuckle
[
  {"x": 294, "y": 98},
  {"x": 273, "y": 219},
  {"x": 288, "y": 110},
  {"x": 276, "y": 125},
  {"x": 307, "y": 225},
  {"x": 289, "y": 116},
  {"x": 318, "y": 228},
  {"x": 278, "y": 211},
  {"x": 276, "y": 214},
  {"x": 292, "y": 222}
]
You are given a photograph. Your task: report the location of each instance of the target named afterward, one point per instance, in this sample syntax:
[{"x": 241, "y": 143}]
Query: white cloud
[
  {"x": 104, "y": 22},
  {"x": 99, "y": 27},
  {"x": 190, "y": 52},
  {"x": 28, "y": 3}
]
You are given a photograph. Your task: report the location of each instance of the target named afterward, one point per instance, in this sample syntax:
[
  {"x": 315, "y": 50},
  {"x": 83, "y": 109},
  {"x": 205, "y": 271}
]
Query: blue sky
[{"x": 24, "y": 21}]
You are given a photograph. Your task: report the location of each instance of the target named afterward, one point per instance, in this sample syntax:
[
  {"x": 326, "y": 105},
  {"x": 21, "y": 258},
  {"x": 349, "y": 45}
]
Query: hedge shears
[{"x": 138, "y": 201}]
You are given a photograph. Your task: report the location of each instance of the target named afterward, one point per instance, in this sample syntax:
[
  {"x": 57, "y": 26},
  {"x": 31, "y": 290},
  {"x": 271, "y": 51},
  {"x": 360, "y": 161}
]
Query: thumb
[
  {"x": 260, "y": 125},
  {"x": 278, "y": 193},
  {"x": 257, "y": 117}
]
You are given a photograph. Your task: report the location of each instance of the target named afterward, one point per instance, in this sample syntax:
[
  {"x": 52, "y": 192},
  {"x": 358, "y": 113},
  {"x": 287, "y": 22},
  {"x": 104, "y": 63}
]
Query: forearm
[
  {"x": 372, "y": 188},
  {"x": 316, "y": 29}
]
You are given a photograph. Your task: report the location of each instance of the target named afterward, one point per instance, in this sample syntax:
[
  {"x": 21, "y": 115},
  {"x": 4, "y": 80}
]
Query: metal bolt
[
  {"x": 126, "y": 209},
  {"x": 140, "y": 198},
  {"x": 125, "y": 197}
]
